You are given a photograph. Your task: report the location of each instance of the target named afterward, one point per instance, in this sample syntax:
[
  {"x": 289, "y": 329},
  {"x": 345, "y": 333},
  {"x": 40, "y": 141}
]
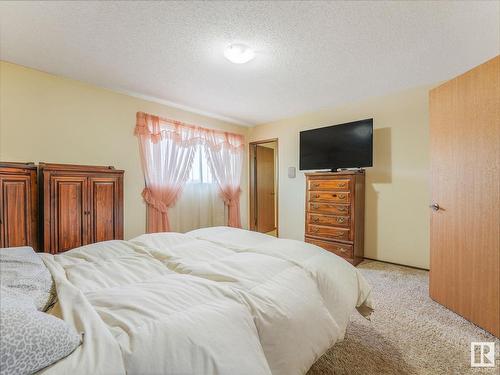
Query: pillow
[
  {"x": 23, "y": 271},
  {"x": 29, "y": 339}
]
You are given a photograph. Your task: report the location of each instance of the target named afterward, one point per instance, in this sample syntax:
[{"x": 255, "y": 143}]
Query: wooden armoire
[
  {"x": 465, "y": 189},
  {"x": 81, "y": 205},
  {"x": 18, "y": 205}
]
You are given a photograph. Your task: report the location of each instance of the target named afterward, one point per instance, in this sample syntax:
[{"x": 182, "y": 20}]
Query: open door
[
  {"x": 465, "y": 247},
  {"x": 263, "y": 186}
]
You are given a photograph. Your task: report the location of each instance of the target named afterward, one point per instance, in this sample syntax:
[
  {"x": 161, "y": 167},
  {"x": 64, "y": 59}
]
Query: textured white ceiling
[{"x": 310, "y": 55}]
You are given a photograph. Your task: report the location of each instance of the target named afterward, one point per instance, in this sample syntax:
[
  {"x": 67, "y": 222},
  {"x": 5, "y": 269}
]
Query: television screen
[{"x": 347, "y": 145}]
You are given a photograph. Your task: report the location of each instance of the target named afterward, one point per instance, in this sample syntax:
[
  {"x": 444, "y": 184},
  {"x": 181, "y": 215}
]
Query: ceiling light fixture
[{"x": 239, "y": 53}]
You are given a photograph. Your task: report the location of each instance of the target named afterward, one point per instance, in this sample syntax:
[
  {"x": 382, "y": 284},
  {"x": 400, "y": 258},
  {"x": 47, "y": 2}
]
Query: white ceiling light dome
[{"x": 239, "y": 53}]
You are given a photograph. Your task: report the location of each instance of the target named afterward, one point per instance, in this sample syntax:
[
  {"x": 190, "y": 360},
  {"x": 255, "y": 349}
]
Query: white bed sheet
[{"x": 212, "y": 301}]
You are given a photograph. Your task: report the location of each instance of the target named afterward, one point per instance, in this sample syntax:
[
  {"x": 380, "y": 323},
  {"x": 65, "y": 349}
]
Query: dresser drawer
[
  {"x": 328, "y": 232},
  {"x": 343, "y": 185},
  {"x": 329, "y": 208},
  {"x": 323, "y": 196},
  {"x": 342, "y": 250},
  {"x": 335, "y": 221}
]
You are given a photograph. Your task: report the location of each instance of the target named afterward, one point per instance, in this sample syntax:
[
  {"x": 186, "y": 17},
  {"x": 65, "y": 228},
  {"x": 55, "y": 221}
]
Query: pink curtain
[
  {"x": 166, "y": 156},
  {"x": 225, "y": 156},
  {"x": 167, "y": 148}
]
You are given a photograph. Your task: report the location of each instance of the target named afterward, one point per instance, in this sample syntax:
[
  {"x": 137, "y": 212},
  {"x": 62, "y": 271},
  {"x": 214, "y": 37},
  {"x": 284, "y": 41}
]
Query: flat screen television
[{"x": 348, "y": 145}]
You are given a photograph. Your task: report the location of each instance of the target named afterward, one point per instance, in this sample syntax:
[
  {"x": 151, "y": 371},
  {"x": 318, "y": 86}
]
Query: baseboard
[{"x": 397, "y": 264}]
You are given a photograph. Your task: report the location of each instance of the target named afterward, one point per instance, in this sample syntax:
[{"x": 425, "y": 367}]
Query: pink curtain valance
[
  {"x": 167, "y": 148},
  {"x": 158, "y": 128}
]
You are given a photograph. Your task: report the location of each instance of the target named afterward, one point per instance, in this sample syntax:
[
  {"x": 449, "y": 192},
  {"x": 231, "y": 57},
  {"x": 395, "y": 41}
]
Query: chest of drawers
[{"x": 335, "y": 213}]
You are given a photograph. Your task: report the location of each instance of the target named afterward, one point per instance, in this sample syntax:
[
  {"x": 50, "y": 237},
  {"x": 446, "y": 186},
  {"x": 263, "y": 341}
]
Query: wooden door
[
  {"x": 264, "y": 184},
  {"x": 15, "y": 206},
  {"x": 465, "y": 248},
  {"x": 69, "y": 219},
  {"x": 105, "y": 208}
]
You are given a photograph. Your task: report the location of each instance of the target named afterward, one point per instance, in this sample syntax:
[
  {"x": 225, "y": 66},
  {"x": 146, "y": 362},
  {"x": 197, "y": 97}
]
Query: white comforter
[{"x": 212, "y": 301}]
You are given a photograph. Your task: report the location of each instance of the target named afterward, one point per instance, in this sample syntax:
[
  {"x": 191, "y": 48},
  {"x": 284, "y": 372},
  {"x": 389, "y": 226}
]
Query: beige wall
[
  {"x": 397, "y": 196},
  {"x": 53, "y": 119}
]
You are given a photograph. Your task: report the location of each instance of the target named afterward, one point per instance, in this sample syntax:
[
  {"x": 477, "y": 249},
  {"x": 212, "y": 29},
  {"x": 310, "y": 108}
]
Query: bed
[{"x": 211, "y": 301}]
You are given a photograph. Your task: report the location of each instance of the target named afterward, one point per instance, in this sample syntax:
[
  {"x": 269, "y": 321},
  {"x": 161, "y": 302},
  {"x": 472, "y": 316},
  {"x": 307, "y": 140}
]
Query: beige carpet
[{"x": 408, "y": 333}]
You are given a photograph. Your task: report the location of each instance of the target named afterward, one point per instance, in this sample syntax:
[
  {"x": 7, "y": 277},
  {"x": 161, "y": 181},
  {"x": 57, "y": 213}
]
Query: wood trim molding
[{"x": 78, "y": 168}]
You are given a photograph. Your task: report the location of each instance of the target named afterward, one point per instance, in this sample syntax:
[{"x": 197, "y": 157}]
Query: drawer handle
[
  {"x": 315, "y": 185},
  {"x": 316, "y": 195},
  {"x": 342, "y": 250},
  {"x": 341, "y": 196},
  {"x": 338, "y": 235},
  {"x": 342, "y": 208},
  {"x": 315, "y": 219},
  {"x": 340, "y": 220},
  {"x": 315, "y": 230},
  {"x": 315, "y": 206},
  {"x": 342, "y": 184}
]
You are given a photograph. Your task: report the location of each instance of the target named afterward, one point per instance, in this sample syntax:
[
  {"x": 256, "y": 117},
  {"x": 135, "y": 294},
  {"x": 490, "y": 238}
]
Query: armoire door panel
[
  {"x": 70, "y": 208},
  {"x": 16, "y": 206},
  {"x": 104, "y": 200},
  {"x": 83, "y": 204}
]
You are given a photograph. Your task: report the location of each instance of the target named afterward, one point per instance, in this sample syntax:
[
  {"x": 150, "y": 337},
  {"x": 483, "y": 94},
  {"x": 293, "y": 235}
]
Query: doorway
[{"x": 264, "y": 187}]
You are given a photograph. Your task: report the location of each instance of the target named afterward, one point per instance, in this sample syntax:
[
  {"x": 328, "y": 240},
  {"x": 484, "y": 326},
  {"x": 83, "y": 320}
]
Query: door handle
[{"x": 435, "y": 207}]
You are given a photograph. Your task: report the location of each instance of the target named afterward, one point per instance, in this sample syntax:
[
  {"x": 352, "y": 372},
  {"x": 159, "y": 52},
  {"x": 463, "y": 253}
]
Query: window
[
  {"x": 200, "y": 204},
  {"x": 200, "y": 173}
]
